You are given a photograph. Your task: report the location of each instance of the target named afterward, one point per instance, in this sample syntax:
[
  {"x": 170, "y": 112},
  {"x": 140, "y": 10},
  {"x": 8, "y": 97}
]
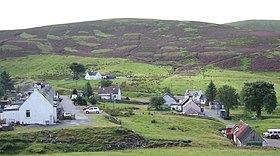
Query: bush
[
  {"x": 81, "y": 101},
  {"x": 153, "y": 121},
  {"x": 119, "y": 130},
  {"x": 7, "y": 146},
  {"x": 92, "y": 100},
  {"x": 36, "y": 149},
  {"x": 172, "y": 128}
]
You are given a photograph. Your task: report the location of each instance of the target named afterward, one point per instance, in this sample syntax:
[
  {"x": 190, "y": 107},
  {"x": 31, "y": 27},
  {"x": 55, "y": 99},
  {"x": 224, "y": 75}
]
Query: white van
[{"x": 272, "y": 133}]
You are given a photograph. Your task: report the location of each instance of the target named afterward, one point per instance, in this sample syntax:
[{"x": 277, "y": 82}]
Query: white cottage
[
  {"x": 108, "y": 93},
  {"x": 37, "y": 109},
  {"x": 93, "y": 76}
]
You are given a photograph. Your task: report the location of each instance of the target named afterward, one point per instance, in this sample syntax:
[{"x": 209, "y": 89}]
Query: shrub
[
  {"x": 172, "y": 128},
  {"x": 119, "y": 130},
  {"x": 7, "y": 146},
  {"x": 92, "y": 100},
  {"x": 36, "y": 149},
  {"x": 153, "y": 121}
]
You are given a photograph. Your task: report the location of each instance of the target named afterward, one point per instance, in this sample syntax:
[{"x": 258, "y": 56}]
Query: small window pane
[{"x": 27, "y": 113}]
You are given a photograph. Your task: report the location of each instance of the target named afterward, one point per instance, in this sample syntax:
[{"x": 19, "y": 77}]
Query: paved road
[
  {"x": 213, "y": 114},
  {"x": 272, "y": 142},
  {"x": 81, "y": 118}
]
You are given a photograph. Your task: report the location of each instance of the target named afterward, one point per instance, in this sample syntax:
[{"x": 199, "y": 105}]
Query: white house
[
  {"x": 189, "y": 107},
  {"x": 109, "y": 93},
  {"x": 197, "y": 97},
  {"x": 93, "y": 76},
  {"x": 37, "y": 109}
]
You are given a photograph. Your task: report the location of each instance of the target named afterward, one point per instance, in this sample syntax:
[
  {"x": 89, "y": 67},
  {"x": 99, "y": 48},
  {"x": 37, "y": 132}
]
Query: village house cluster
[
  {"x": 191, "y": 103},
  {"x": 39, "y": 106}
]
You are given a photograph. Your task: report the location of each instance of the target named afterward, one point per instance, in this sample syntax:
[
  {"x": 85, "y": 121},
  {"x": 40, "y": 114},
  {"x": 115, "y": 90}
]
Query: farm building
[
  {"x": 215, "y": 105},
  {"x": 37, "y": 109},
  {"x": 169, "y": 99},
  {"x": 109, "y": 93},
  {"x": 93, "y": 76},
  {"x": 243, "y": 135}
]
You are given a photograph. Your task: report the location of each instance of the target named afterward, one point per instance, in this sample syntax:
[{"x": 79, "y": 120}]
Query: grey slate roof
[
  {"x": 108, "y": 90},
  {"x": 170, "y": 96},
  {"x": 92, "y": 73}
]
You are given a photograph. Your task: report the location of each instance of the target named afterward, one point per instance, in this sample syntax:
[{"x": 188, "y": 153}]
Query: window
[{"x": 27, "y": 113}]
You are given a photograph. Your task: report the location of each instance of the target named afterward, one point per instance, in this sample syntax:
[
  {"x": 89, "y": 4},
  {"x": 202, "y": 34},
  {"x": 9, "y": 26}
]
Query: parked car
[
  {"x": 272, "y": 133},
  {"x": 87, "y": 107},
  {"x": 67, "y": 115},
  {"x": 55, "y": 103},
  {"x": 92, "y": 110}
]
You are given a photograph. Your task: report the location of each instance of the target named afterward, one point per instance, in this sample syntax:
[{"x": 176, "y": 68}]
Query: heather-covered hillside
[{"x": 184, "y": 45}]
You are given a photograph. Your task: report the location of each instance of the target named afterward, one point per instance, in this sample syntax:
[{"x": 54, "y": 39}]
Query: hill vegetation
[
  {"x": 184, "y": 45},
  {"x": 258, "y": 25}
]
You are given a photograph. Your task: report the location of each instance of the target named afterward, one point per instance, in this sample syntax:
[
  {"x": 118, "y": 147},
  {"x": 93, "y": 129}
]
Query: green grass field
[
  {"x": 149, "y": 80},
  {"x": 182, "y": 151}
]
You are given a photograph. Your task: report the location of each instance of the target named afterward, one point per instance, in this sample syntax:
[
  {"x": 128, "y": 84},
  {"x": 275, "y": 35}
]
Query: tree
[
  {"x": 76, "y": 69},
  {"x": 210, "y": 92},
  {"x": 75, "y": 92},
  {"x": 1, "y": 91},
  {"x": 258, "y": 95},
  {"x": 88, "y": 90},
  {"x": 156, "y": 102},
  {"x": 228, "y": 96},
  {"x": 6, "y": 81},
  {"x": 81, "y": 101},
  {"x": 106, "y": 83},
  {"x": 92, "y": 100}
]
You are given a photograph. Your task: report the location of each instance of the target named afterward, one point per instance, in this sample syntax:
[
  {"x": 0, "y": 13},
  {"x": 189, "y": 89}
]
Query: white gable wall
[
  {"x": 98, "y": 76},
  {"x": 10, "y": 116},
  {"x": 41, "y": 110}
]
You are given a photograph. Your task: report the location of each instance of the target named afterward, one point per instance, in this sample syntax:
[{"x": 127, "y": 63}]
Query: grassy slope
[
  {"x": 260, "y": 25},
  {"x": 186, "y": 128},
  {"x": 208, "y": 144},
  {"x": 151, "y": 79},
  {"x": 57, "y": 66}
]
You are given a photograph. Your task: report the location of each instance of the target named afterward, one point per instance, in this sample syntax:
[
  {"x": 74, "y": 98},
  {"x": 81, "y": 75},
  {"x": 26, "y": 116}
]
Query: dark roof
[
  {"x": 48, "y": 93},
  {"x": 92, "y": 73},
  {"x": 216, "y": 103},
  {"x": 108, "y": 90}
]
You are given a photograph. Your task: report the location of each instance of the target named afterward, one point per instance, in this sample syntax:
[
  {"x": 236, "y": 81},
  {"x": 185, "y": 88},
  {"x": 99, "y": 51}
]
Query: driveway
[
  {"x": 80, "y": 117},
  {"x": 213, "y": 114}
]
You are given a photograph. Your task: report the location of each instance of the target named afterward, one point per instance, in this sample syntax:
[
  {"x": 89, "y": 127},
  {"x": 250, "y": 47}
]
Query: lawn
[
  {"x": 183, "y": 151},
  {"x": 165, "y": 125}
]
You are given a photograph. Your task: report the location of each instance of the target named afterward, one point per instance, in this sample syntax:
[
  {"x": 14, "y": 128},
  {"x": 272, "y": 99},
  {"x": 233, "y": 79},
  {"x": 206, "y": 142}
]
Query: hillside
[
  {"x": 184, "y": 45},
  {"x": 258, "y": 25}
]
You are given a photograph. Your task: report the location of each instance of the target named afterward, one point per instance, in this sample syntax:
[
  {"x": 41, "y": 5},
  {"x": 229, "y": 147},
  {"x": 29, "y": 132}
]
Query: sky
[{"x": 21, "y": 14}]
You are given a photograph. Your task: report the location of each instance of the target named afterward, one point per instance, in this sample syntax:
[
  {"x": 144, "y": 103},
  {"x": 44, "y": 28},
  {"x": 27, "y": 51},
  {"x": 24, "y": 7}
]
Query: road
[
  {"x": 272, "y": 142},
  {"x": 81, "y": 118},
  {"x": 213, "y": 114}
]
